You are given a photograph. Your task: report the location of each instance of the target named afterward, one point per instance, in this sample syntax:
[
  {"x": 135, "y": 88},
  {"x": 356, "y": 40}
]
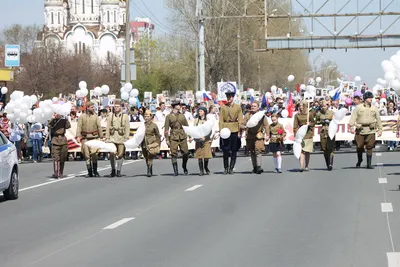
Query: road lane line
[
  {"x": 393, "y": 259},
  {"x": 193, "y": 187},
  {"x": 379, "y": 164},
  {"x": 118, "y": 224},
  {"x": 387, "y": 207},
  {"x": 378, "y": 154},
  {"x": 382, "y": 180}
]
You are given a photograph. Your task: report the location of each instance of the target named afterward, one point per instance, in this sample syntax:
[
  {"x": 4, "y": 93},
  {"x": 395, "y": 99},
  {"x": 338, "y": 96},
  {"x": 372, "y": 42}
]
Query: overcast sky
[{"x": 363, "y": 62}]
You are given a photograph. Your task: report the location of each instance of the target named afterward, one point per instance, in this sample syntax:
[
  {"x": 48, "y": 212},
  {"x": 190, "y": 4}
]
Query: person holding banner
[
  {"x": 203, "y": 145},
  {"x": 305, "y": 117},
  {"x": 324, "y": 117},
  {"x": 255, "y": 137},
  {"x": 152, "y": 141},
  {"x": 231, "y": 117},
  {"x": 176, "y": 137},
  {"x": 89, "y": 128},
  {"x": 367, "y": 122},
  {"x": 117, "y": 132}
]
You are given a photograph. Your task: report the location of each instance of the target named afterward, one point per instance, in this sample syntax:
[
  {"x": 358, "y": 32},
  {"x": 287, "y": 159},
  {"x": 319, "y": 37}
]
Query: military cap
[
  {"x": 117, "y": 102},
  {"x": 176, "y": 102},
  {"x": 203, "y": 109},
  {"x": 368, "y": 94},
  {"x": 148, "y": 113}
]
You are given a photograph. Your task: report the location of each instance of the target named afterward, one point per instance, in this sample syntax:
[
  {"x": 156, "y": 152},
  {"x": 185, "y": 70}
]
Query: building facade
[{"x": 80, "y": 26}]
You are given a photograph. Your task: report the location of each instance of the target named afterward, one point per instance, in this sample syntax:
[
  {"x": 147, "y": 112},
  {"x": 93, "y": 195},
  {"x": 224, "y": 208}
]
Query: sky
[{"x": 365, "y": 63}]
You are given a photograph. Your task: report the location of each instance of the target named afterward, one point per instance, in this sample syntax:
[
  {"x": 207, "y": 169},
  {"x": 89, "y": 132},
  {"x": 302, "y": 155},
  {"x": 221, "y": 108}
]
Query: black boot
[
  {"x": 369, "y": 162},
  {"x": 95, "y": 172},
  {"x": 326, "y": 160},
  {"x": 330, "y": 167},
  {"x": 232, "y": 166},
  {"x": 61, "y": 169},
  {"x": 226, "y": 164},
  {"x": 55, "y": 170},
  {"x": 175, "y": 167},
  {"x": 201, "y": 167},
  {"x": 360, "y": 159},
  {"x": 112, "y": 174},
  {"x": 151, "y": 169},
  {"x": 206, "y": 166},
  {"x": 90, "y": 171},
  {"x": 259, "y": 170},
  {"x": 184, "y": 164},
  {"x": 119, "y": 174},
  {"x": 148, "y": 171}
]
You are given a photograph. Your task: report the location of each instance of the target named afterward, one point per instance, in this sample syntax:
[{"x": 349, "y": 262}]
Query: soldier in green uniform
[
  {"x": 151, "y": 136},
  {"x": 231, "y": 117},
  {"x": 366, "y": 121},
  {"x": 307, "y": 145},
  {"x": 176, "y": 137},
  {"x": 89, "y": 128},
  {"x": 255, "y": 137},
  {"x": 59, "y": 144},
  {"x": 117, "y": 132},
  {"x": 324, "y": 117}
]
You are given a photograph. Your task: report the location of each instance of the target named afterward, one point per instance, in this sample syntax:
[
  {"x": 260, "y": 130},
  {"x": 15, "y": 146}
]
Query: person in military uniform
[
  {"x": 255, "y": 137},
  {"x": 307, "y": 145},
  {"x": 117, "y": 132},
  {"x": 151, "y": 136},
  {"x": 58, "y": 126},
  {"x": 324, "y": 117},
  {"x": 231, "y": 117},
  {"x": 89, "y": 128},
  {"x": 203, "y": 145},
  {"x": 176, "y": 137},
  {"x": 278, "y": 134},
  {"x": 366, "y": 121}
]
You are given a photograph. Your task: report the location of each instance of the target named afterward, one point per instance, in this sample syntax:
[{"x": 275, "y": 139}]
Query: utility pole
[
  {"x": 199, "y": 14},
  {"x": 196, "y": 85},
  {"x": 127, "y": 44},
  {"x": 238, "y": 47}
]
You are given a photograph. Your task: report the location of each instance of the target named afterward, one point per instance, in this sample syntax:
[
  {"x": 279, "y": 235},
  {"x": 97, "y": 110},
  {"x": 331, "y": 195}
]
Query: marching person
[
  {"x": 151, "y": 136},
  {"x": 176, "y": 137},
  {"x": 255, "y": 137},
  {"x": 278, "y": 135},
  {"x": 203, "y": 145},
  {"x": 366, "y": 121},
  {"x": 59, "y": 144},
  {"x": 89, "y": 128},
  {"x": 117, "y": 132},
  {"x": 307, "y": 145},
  {"x": 231, "y": 117},
  {"x": 324, "y": 117}
]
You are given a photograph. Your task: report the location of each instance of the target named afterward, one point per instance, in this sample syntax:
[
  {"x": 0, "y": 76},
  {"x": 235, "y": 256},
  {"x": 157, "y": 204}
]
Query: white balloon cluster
[
  {"x": 98, "y": 91},
  {"x": 290, "y": 78},
  {"x": 392, "y": 73},
  {"x": 128, "y": 93}
]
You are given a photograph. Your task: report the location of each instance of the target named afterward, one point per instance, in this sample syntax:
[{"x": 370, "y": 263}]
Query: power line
[
  {"x": 155, "y": 18},
  {"x": 153, "y": 14}
]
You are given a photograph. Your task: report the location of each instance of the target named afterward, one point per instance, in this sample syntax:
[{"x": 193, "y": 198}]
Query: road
[{"x": 318, "y": 218}]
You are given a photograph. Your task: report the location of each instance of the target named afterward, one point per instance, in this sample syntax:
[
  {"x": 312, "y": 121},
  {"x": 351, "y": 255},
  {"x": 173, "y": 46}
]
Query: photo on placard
[
  {"x": 318, "y": 92},
  {"x": 153, "y": 108},
  {"x": 165, "y": 93},
  {"x": 147, "y": 97},
  {"x": 324, "y": 92}
]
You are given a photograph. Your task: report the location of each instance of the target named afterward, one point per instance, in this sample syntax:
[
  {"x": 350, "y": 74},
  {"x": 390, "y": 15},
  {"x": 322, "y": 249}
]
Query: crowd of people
[{"x": 112, "y": 124}]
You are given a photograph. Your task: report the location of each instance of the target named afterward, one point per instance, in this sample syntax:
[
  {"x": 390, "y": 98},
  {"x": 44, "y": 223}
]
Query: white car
[{"x": 9, "y": 180}]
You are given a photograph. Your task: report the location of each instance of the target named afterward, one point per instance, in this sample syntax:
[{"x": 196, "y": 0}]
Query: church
[{"x": 80, "y": 26}]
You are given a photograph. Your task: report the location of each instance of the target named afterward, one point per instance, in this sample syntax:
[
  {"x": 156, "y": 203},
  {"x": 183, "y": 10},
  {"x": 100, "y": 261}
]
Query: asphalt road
[{"x": 318, "y": 218}]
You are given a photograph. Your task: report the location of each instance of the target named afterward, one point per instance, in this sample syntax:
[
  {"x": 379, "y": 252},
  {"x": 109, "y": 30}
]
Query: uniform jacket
[
  {"x": 324, "y": 118},
  {"x": 118, "y": 128},
  {"x": 89, "y": 127},
  {"x": 277, "y": 132},
  {"x": 261, "y": 127},
  {"x": 231, "y": 117},
  {"x": 366, "y": 119},
  {"x": 300, "y": 120},
  {"x": 152, "y": 134},
  {"x": 175, "y": 122},
  {"x": 58, "y": 128}
]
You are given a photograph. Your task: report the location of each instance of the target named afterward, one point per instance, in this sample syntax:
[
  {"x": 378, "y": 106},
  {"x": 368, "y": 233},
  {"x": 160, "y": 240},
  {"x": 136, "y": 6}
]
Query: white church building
[{"x": 85, "y": 25}]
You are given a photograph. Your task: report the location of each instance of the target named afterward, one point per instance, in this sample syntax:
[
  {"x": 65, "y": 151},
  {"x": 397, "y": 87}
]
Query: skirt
[
  {"x": 203, "y": 152},
  {"x": 307, "y": 145},
  {"x": 275, "y": 147}
]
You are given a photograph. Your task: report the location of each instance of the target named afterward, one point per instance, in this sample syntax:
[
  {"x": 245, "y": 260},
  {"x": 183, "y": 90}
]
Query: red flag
[
  {"x": 298, "y": 88},
  {"x": 290, "y": 106}
]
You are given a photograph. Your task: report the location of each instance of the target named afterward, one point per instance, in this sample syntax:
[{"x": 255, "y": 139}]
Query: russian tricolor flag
[{"x": 206, "y": 97}]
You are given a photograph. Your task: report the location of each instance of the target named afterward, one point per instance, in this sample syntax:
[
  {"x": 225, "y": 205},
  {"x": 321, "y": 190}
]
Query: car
[{"x": 9, "y": 179}]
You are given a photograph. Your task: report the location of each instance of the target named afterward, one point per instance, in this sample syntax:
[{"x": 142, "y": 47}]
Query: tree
[{"x": 22, "y": 35}]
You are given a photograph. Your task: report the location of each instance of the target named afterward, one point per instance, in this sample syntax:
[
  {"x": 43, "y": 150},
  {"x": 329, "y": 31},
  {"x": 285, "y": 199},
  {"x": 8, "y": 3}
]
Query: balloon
[
  {"x": 125, "y": 96},
  {"x": 84, "y": 92},
  {"x": 128, "y": 87},
  {"x": 78, "y": 94},
  {"x": 10, "y": 107},
  {"x": 31, "y": 118},
  {"x": 340, "y": 114},
  {"x": 333, "y": 127},
  {"x": 105, "y": 89},
  {"x": 357, "y": 79},
  {"x": 398, "y": 53},
  {"x": 201, "y": 130},
  {"x": 4, "y": 90},
  {"x": 348, "y": 101},
  {"x": 290, "y": 78},
  {"x": 137, "y": 138},
  {"x": 48, "y": 103},
  {"x": 285, "y": 113},
  {"x": 199, "y": 95},
  {"x": 48, "y": 112},
  {"x": 23, "y": 117},
  {"x": 273, "y": 89},
  {"x": 303, "y": 87},
  {"x": 17, "y": 95},
  {"x": 34, "y": 99},
  {"x": 11, "y": 117},
  {"x": 37, "y": 112},
  {"x": 17, "y": 112},
  {"x": 134, "y": 92},
  {"x": 97, "y": 91},
  {"x": 24, "y": 107},
  {"x": 54, "y": 99},
  {"x": 383, "y": 82},
  {"x": 395, "y": 59},
  {"x": 251, "y": 91},
  {"x": 301, "y": 132},
  {"x": 388, "y": 67},
  {"x": 268, "y": 95},
  {"x": 82, "y": 85},
  {"x": 255, "y": 119},
  {"x": 395, "y": 85},
  {"x": 389, "y": 76},
  {"x": 318, "y": 79},
  {"x": 225, "y": 133},
  {"x": 132, "y": 101}
]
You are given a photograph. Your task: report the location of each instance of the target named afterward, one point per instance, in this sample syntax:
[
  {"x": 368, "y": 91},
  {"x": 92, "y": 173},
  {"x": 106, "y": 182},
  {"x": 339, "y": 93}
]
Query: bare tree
[{"x": 22, "y": 35}]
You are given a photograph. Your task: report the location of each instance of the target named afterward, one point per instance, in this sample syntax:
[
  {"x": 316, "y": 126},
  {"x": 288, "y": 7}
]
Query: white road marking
[
  {"x": 379, "y": 164},
  {"x": 69, "y": 176},
  {"x": 193, "y": 188},
  {"x": 387, "y": 207},
  {"x": 378, "y": 154},
  {"x": 119, "y": 223},
  {"x": 393, "y": 259},
  {"x": 377, "y": 146},
  {"x": 382, "y": 180}
]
